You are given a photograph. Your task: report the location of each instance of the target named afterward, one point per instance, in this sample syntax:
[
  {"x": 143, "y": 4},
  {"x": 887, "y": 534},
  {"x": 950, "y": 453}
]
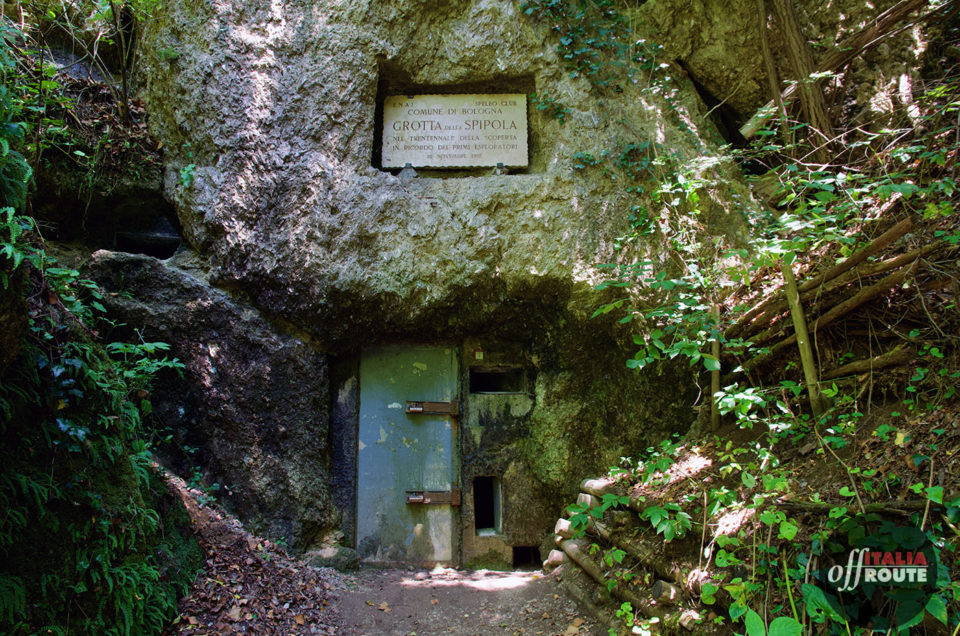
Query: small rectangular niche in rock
[{"x": 455, "y": 131}]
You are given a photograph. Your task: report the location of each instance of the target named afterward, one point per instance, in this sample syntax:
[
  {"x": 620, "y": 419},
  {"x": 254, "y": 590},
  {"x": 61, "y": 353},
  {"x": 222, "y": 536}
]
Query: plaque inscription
[{"x": 455, "y": 131}]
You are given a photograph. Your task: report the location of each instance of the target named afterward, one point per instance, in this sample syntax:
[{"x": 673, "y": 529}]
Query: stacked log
[{"x": 666, "y": 598}]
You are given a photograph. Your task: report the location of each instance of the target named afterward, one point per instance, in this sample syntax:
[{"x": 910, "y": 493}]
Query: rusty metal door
[{"x": 407, "y": 487}]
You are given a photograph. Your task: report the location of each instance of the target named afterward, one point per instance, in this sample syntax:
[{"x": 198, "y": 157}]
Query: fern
[{"x": 13, "y": 598}]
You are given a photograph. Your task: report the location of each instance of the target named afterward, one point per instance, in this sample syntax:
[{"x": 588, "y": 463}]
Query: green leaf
[
  {"x": 908, "y": 614},
  {"x": 617, "y": 555},
  {"x": 708, "y": 593},
  {"x": 724, "y": 559},
  {"x": 846, "y": 492},
  {"x": 61, "y": 271},
  {"x": 788, "y": 530},
  {"x": 737, "y": 610},
  {"x": 785, "y": 626},
  {"x": 655, "y": 514},
  {"x": 748, "y": 480},
  {"x": 937, "y": 608},
  {"x": 710, "y": 362},
  {"x": 754, "y": 624},
  {"x": 607, "y": 308},
  {"x": 935, "y": 494},
  {"x": 819, "y": 607},
  {"x": 669, "y": 531}
]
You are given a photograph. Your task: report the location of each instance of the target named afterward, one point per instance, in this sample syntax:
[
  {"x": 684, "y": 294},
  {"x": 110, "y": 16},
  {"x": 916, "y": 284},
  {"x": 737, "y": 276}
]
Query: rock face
[
  {"x": 269, "y": 118},
  {"x": 251, "y": 400},
  {"x": 718, "y": 43},
  {"x": 268, "y": 113}
]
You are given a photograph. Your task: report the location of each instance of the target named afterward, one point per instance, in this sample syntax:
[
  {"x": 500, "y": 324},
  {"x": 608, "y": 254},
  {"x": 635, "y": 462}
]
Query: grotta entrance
[
  {"x": 442, "y": 474},
  {"x": 407, "y": 484}
]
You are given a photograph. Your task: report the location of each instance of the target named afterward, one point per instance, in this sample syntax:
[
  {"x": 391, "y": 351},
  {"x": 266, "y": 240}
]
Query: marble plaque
[{"x": 455, "y": 131}]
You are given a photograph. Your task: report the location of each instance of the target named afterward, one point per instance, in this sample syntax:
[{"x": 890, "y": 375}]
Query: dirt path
[
  {"x": 248, "y": 585},
  {"x": 446, "y": 601}
]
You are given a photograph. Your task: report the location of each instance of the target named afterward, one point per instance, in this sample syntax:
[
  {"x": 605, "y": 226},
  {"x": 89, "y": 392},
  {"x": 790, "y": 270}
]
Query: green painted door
[{"x": 400, "y": 452}]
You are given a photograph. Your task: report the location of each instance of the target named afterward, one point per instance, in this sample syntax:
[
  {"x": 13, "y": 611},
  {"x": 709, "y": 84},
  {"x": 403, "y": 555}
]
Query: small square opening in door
[{"x": 486, "y": 505}]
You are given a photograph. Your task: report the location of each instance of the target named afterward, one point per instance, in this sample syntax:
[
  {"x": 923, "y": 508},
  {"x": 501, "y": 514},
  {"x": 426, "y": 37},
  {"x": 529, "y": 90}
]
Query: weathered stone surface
[
  {"x": 252, "y": 400},
  {"x": 718, "y": 42},
  {"x": 272, "y": 111}
]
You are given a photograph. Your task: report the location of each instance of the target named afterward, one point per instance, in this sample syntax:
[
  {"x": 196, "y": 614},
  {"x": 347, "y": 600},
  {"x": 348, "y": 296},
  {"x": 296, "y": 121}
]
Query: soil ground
[
  {"x": 446, "y": 601},
  {"x": 249, "y": 585}
]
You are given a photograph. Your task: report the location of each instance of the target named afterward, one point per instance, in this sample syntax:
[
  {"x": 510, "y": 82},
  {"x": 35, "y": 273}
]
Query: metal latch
[
  {"x": 419, "y": 407},
  {"x": 427, "y": 497}
]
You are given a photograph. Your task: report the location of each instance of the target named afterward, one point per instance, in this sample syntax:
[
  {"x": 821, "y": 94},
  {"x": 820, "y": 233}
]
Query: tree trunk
[
  {"x": 665, "y": 593},
  {"x": 644, "y": 606},
  {"x": 715, "y": 374},
  {"x": 801, "y": 62},
  {"x": 803, "y": 342},
  {"x": 773, "y": 80},
  {"x": 767, "y": 309},
  {"x": 895, "y": 357},
  {"x": 847, "y": 50}
]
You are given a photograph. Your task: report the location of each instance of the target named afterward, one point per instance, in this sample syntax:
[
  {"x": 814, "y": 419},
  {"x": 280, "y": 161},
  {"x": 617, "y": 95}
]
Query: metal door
[{"x": 407, "y": 485}]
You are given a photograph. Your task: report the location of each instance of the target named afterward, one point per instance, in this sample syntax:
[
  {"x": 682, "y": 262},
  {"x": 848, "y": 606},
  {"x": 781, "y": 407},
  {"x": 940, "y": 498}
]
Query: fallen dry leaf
[
  {"x": 241, "y": 585},
  {"x": 434, "y": 601},
  {"x": 383, "y": 607}
]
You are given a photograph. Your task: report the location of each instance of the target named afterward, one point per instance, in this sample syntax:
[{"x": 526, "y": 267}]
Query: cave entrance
[{"x": 407, "y": 482}]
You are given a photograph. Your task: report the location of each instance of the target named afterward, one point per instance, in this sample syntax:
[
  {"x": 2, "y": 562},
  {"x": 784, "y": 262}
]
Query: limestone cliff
[{"x": 268, "y": 114}]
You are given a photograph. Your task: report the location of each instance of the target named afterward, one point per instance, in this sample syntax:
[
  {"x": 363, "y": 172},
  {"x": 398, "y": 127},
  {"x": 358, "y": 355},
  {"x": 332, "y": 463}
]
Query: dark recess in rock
[{"x": 724, "y": 116}]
